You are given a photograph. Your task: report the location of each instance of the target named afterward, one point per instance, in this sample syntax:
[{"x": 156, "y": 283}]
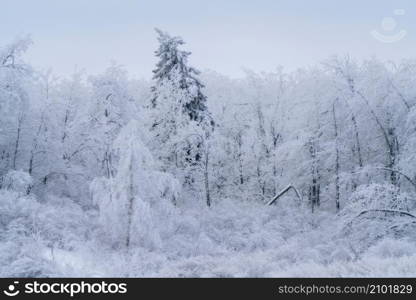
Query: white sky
[{"x": 223, "y": 35}]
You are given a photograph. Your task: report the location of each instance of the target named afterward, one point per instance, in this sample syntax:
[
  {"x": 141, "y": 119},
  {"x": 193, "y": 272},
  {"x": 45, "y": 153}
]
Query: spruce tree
[
  {"x": 181, "y": 122},
  {"x": 173, "y": 70}
]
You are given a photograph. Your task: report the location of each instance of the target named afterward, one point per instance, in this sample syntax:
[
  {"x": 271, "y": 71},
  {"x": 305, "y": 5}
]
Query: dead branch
[
  {"x": 284, "y": 191},
  {"x": 387, "y": 211}
]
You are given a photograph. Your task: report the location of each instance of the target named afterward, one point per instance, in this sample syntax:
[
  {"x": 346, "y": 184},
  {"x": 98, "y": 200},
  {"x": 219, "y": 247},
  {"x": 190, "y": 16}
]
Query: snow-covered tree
[
  {"x": 126, "y": 200},
  {"x": 15, "y": 84},
  {"x": 172, "y": 69},
  {"x": 110, "y": 110},
  {"x": 179, "y": 112}
]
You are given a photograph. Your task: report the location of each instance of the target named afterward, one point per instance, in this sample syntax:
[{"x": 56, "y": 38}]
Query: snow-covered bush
[
  {"x": 16, "y": 211},
  {"x": 18, "y": 181},
  {"x": 375, "y": 212},
  {"x": 31, "y": 232},
  {"x": 391, "y": 248},
  {"x": 377, "y": 196}
]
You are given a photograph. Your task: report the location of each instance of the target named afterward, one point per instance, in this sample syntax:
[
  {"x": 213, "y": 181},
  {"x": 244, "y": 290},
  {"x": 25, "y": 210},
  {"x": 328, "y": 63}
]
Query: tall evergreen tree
[
  {"x": 181, "y": 122},
  {"x": 172, "y": 70}
]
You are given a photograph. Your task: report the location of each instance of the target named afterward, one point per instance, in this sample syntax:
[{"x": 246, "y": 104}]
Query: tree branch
[{"x": 284, "y": 191}]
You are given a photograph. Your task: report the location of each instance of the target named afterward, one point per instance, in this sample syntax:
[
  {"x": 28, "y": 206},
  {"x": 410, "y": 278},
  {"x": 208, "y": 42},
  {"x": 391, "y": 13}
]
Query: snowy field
[{"x": 233, "y": 239}]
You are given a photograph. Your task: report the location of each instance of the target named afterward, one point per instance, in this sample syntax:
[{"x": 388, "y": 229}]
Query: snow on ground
[{"x": 232, "y": 239}]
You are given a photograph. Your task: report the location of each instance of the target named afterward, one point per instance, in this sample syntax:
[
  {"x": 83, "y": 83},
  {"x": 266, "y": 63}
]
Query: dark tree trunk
[{"x": 337, "y": 188}]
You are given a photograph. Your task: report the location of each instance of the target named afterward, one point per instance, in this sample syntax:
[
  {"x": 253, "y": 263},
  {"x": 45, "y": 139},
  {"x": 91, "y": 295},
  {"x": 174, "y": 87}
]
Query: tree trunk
[
  {"x": 240, "y": 157},
  {"x": 351, "y": 85},
  {"x": 35, "y": 146},
  {"x": 314, "y": 189},
  {"x": 206, "y": 178},
  {"x": 17, "y": 142},
  {"x": 337, "y": 193},
  {"x": 130, "y": 203},
  {"x": 357, "y": 141},
  {"x": 390, "y": 140}
]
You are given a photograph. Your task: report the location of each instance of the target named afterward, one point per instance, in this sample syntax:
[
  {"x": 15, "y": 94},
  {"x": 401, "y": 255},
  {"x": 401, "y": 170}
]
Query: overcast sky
[{"x": 223, "y": 35}]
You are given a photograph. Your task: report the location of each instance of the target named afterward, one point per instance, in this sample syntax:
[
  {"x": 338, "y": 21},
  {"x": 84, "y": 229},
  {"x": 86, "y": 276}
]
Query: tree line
[{"x": 191, "y": 137}]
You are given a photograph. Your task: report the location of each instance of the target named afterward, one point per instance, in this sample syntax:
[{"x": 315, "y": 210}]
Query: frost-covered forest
[{"x": 189, "y": 173}]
